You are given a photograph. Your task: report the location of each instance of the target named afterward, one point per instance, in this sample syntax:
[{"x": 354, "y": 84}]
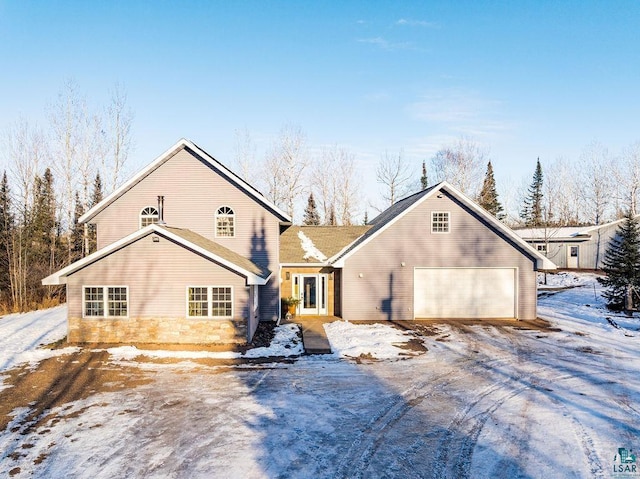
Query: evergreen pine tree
[
  {"x": 6, "y": 232},
  {"x": 622, "y": 264},
  {"x": 366, "y": 218},
  {"x": 424, "y": 181},
  {"x": 332, "y": 221},
  {"x": 488, "y": 198},
  {"x": 91, "y": 240},
  {"x": 532, "y": 211},
  {"x": 77, "y": 232},
  {"x": 311, "y": 216},
  {"x": 97, "y": 195}
]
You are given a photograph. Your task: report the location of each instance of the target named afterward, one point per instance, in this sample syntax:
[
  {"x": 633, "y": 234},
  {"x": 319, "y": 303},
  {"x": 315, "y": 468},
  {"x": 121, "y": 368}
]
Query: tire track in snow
[{"x": 358, "y": 456}]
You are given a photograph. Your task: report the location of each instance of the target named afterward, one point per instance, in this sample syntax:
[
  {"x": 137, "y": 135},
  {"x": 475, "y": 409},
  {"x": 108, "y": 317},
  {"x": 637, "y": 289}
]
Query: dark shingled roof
[
  {"x": 219, "y": 250},
  {"x": 330, "y": 240}
]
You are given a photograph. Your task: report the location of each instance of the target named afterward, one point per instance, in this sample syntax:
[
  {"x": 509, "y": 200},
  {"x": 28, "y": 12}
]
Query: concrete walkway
[{"x": 314, "y": 337}]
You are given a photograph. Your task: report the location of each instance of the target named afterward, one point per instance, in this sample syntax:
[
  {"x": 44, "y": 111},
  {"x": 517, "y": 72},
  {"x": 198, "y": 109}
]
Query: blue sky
[{"x": 526, "y": 79}]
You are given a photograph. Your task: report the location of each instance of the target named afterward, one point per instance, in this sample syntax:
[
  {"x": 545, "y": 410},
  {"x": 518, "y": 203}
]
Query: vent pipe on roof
[{"x": 161, "y": 210}]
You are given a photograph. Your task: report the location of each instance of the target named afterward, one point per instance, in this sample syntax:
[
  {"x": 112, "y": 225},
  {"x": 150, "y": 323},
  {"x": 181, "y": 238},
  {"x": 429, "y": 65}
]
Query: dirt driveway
[{"x": 482, "y": 401}]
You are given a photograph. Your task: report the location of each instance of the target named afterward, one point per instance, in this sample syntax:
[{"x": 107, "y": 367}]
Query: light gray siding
[
  {"x": 376, "y": 285},
  {"x": 157, "y": 274},
  {"x": 193, "y": 192}
]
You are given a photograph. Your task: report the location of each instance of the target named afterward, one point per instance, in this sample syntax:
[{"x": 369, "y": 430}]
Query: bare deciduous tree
[
  {"x": 394, "y": 174},
  {"x": 285, "y": 166},
  {"x": 595, "y": 167},
  {"x": 119, "y": 119},
  {"x": 461, "y": 164},
  {"x": 245, "y": 157},
  {"x": 335, "y": 181},
  {"x": 627, "y": 176}
]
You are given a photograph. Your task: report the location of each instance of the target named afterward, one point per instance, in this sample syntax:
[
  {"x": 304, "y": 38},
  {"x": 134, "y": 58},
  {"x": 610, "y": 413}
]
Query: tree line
[
  {"x": 58, "y": 171},
  {"x": 54, "y": 174}
]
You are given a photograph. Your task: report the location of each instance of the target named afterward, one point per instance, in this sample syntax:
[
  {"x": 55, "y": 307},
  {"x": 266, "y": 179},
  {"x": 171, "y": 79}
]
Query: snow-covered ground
[{"x": 481, "y": 402}]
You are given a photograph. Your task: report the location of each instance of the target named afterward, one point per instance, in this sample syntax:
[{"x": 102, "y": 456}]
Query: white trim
[
  {"x": 164, "y": 157},
  {"x": 542, "y": 262},
  {"x": 209, "y": 289},
  {"x": 448, "y": 213},
  {"x": 59, "y": 277},
  {"x": 105, "y": 301}
]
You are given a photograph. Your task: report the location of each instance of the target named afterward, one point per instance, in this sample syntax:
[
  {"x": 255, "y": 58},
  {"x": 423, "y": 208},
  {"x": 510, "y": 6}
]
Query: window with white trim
[
  {"x": 439, "y": 221},
  {"x": 210, "y": 302},
  {"x": 106, "y": 302},
  {"x": 148, "y": 216},
  {"x": 542, "y": 248},
  {"x": 225, "y": 222}
]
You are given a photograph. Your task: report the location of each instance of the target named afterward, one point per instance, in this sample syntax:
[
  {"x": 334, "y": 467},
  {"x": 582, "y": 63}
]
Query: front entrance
[
  {"x": 311, "y": 290},
  {"x": 573, "y": 254}
]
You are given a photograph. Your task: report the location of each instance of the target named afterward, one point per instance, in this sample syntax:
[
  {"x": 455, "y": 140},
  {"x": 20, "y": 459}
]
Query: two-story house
[{"x": 188, "y": 252}]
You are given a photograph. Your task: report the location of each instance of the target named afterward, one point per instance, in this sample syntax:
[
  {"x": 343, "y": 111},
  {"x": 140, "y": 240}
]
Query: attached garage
[{"x": 469, "y": 293}]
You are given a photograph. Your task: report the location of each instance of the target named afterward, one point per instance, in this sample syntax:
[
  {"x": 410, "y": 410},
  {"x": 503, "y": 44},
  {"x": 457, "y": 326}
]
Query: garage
[{"x": 473, "y": 293}]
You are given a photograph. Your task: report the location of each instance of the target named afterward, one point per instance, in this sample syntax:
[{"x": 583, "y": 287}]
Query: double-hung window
[
  {"x": 106, "y": 302},
  {"x": 440, "y": 222},
  {"x": 210, "y": 302}
]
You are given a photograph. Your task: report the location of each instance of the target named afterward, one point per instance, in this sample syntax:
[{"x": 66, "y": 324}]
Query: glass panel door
[{"x": 309, "y": 295}]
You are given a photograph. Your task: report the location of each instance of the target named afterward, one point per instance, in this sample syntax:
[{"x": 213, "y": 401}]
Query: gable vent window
[
  {"x": 440, "y": 222},
  {"x": 148, "y": 216},
  {"x": 225, "y": 223}
]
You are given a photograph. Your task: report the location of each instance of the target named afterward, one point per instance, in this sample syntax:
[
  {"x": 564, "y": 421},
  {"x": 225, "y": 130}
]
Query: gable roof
[
  {"x": 392, "y": 214},
  {"x": 208, "y": 159},
  {"x": 566, "y": 233},
  {"x": 327, "y": 240},
  {"x": 211, "y": 250}
]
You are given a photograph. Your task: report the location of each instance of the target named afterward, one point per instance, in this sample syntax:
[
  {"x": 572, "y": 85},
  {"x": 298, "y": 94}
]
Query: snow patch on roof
[{"x": 310, "y": 250}]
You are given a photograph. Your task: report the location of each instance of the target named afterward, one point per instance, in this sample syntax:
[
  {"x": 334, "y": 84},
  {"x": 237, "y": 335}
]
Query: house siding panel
[
  {"x": 375, "y": 285},
  {"x": 158, "y": 274},
  {"x": 193, "y": 192}
]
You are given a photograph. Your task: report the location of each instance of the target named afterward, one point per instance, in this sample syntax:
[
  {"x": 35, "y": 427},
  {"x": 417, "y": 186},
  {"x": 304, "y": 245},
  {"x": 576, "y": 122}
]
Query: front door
[
  {"x": 313, "y": 294},
  {"x": 573, "y": 253}
]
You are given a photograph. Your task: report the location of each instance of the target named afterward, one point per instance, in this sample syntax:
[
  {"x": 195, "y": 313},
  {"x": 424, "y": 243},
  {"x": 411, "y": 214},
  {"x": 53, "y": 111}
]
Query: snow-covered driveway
[{"x": 481, "y": 402}]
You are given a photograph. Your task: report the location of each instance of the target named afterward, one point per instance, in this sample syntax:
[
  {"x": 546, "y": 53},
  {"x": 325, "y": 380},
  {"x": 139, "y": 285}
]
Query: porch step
[{"x": 314, "y": 337}]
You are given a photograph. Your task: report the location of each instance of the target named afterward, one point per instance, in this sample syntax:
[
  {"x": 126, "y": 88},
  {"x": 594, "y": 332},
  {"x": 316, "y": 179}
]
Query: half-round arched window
[
  {"x": 148, "y": 216},
  {"x": 225, "y": 222}
]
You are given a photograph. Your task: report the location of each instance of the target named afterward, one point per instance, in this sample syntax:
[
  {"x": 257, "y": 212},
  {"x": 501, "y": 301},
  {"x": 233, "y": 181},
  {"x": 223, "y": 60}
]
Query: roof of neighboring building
[
  {"x": 566, "y": 233},
  {"x": 315, "y": 244},
  {"x": 208, "y": 159},
  {"x": 211, "y": 250},
  {"x": 399, "y": 209}
]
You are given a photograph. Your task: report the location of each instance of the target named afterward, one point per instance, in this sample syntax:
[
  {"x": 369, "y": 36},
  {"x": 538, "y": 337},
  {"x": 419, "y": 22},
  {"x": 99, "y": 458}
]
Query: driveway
[{"x": 473, "y": 401}]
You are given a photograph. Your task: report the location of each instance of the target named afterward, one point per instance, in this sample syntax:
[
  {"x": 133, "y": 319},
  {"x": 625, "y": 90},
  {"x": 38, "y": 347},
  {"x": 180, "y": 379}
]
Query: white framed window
[
  {"x": 542, "y": 248},
  {"x": 148, "y": 216},
  {"x": 105, "y": 302},
  {"x": 225, "y": 222},
  {"x": 440, "y": 222},
  {"x": 209, "y": 302}
]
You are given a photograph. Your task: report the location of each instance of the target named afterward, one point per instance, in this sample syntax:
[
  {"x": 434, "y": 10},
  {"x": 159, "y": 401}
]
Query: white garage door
[{"x": 465, "y": 292}]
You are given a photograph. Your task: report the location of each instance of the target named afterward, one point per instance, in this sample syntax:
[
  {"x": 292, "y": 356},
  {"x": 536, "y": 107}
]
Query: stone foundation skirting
[{"x": 157, "y": 330}]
